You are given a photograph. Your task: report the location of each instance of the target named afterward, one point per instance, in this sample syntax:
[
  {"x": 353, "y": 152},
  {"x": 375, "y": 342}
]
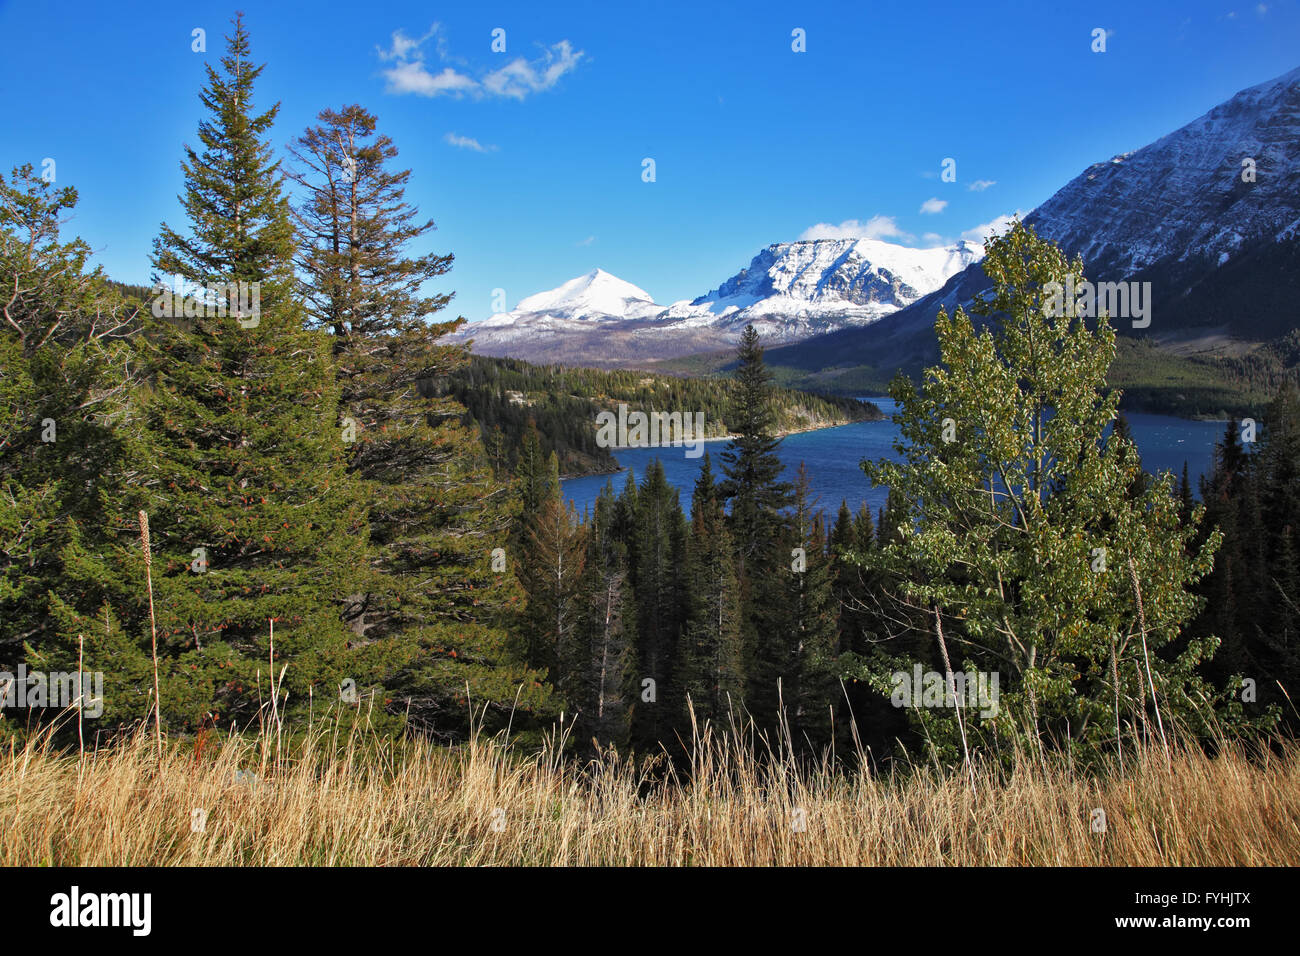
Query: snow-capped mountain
[
  {"x": 594, "y": 295},
  {"x": 1205, "y": 190},
  {"x": 792, "y": 290},
  {"x": 789, "y": 292},
  {"x": 1208, "y": 214},
  {"x": 574, "y": 307}
]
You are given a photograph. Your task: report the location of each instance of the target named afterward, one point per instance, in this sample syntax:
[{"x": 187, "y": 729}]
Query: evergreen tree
[
  {"x": 555, "y": 555},
  {"x": 66, "y": 382},
  {"x": 356, "y": 278},
  {"x": 1122, "y": 433},
  {"x": 1186, "y": 503},
  {"x": 557, "y": 559},
  {"x": 847, "y": 584},
  {"x": 659, "y": 581},
  {"x": 255, "y": 519},
  {"x": 758, "y": 497},
  {"x": 893, "y": 520},
  {"x": 1252, "y": 602},
  {"x": 712, "y": 663},
  {"x": 1279, "y": 501},
  {"x": 753, "y": 483},
  {"x": 624, "y": 521},
  {"x": 597, "y": 666},
  {"x": 535, "y": 478},
  {"x": 794, "y": 660},
  {"x": 863, "y": 527},
  {"x": 435, "y": 612}
]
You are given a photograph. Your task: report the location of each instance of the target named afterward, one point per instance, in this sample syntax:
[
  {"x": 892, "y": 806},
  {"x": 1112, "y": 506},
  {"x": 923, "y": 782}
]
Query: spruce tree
[
  {"x": 66, "y": 382},
  {"x": 1252, "y": 604},
  {"x": 596, "y": 667},
  {"x": 625, "y": 519},
  {"x": 1279, "y": 497},
  {"x": 758, "y": 497},
  {"x": 1122, "y": 432},
  {"x": 712, "y": 662},
  {"x": 658, "y": 562},
  {"x": 793, "y": 663},
  {"x": 536, "y": 479},
  {"x": 357, "y": 278},
  {"x": 555, "y": 553},
  {"x": 848, "y": 585},
  {"x": 435, "y": 612},
  {"x": 1186, "y": 502},
  {"x": 255, "y": 521},
  {"x": 753, "y": 484}
]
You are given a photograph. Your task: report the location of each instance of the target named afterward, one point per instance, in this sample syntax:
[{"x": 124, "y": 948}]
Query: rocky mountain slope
[{"x": 1209, "y": 215}]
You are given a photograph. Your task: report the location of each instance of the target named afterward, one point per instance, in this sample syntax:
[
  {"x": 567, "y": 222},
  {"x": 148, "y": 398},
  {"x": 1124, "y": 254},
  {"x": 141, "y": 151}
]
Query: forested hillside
[{"x": 504, "y": 396}]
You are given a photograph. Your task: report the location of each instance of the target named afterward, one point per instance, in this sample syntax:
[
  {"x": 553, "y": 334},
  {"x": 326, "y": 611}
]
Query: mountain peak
[{"x": 593, "y": 293}]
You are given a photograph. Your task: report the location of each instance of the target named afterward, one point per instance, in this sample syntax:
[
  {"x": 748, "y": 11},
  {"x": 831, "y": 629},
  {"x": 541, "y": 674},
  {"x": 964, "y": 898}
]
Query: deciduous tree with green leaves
[{"x": 1029, "y": 547}]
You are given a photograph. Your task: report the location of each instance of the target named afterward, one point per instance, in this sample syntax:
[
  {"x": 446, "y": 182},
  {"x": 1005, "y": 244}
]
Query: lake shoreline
[
  {"x": 833, "y": 456},
  {"x": 875, "y": 400},
  {"x": 716, "y": 438}
]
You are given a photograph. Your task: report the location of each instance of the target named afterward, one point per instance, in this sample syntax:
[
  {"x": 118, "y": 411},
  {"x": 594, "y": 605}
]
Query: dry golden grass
[{"x": 366, "y": 802}]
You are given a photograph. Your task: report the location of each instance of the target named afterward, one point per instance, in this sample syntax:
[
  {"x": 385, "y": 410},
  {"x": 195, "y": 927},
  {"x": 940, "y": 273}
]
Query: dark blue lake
[{"x": 833, "y": 454}]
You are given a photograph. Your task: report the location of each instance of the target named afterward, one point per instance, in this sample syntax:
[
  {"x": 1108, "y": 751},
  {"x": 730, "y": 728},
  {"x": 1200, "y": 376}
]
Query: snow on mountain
[
  {"x": 1209, "y": 215},
  {"x": 789, "y": 291},
  {"x": 596, "y": 294},
  {"x": 570, "y": 311},
  {"x": 1205, "y": 190},
  {"x": 796, "y": 289}
]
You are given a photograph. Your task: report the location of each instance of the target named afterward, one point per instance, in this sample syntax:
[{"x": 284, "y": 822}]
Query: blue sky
[{"x": 530, "y": 160}]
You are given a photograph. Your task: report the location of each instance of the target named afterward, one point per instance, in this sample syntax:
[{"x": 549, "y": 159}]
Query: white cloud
[
  {"x": 519, "y": 77},
  {"x": 933, "y": 238},
  {"x": 981, "y": 184},
  {"x": 933, "y": 206},
  {"x": 404, "y": 46},
  {"x": 414, "y": 78},
  {"x": 877, "y": 227},
  {"x": 467, "y": 142},
  {"x": 1261, "y": 9},
  {"x": 985, "y": 231},
  {"x": 516, "y": 80},
  {"x": 585, "y": 242}
]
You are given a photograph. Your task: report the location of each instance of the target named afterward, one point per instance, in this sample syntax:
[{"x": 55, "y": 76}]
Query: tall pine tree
[
  {"x": 753, "y": 484},
  {"x": 435, "y": 613},
  {"x": 255, "y": 520}
]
